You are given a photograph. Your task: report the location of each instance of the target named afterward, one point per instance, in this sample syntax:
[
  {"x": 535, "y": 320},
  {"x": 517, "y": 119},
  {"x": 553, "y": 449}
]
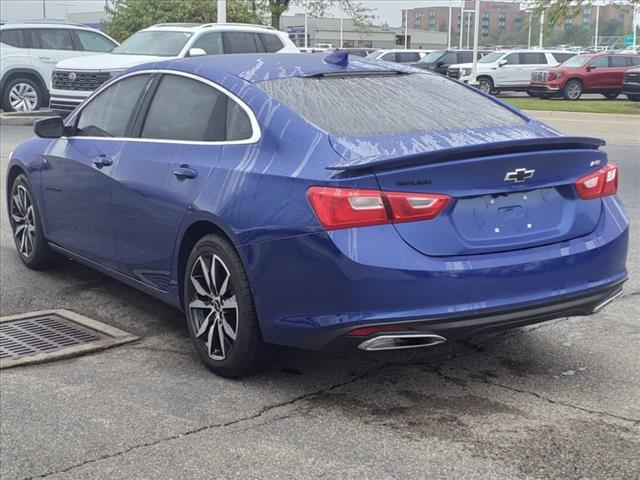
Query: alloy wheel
[
  {"x": 573, "y": 90},
  {"x": 23, "y": 97},
  {"x": 484, "y": 86},
  {"x": 213, "y": 306},
  {"x": 24, "y": 224}
]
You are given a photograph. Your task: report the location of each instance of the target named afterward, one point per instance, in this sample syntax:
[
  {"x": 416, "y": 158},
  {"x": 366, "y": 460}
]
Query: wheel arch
[
  {"x": 13, "y": 172},
  {"x": 192, "y": 234},
  {"x": 25, "y": 72}
]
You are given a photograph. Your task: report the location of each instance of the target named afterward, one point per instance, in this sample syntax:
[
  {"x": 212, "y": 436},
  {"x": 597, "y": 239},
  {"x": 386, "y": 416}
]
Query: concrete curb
[{"x": 24, "y": 119}]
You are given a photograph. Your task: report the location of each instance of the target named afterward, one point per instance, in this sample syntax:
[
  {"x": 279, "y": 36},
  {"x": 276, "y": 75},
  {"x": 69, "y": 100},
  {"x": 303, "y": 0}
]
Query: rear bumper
[
  {"x": 455, "y": 327},
  {"x": 322, "y": 285}
]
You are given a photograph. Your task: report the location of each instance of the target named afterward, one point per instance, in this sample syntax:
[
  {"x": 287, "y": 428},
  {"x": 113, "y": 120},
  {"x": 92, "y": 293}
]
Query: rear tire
[
  {"x": 221, "y": 315},
  {"x": 28, "y": 235},
  {"x": 572, "y": 90},
  {"x": 22, "y": 94},
  {"x": 533, "y": 94},
  {"x": 610, "y": 96}
]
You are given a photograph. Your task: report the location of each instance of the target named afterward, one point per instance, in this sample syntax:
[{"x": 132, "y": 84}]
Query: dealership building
[{"x": 328, "y": 30}]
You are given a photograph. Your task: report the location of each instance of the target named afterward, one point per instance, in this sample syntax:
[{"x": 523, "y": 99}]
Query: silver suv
[{"x": 29, "y": 53}]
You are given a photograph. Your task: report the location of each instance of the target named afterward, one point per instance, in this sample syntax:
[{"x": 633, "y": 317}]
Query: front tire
[
  {"x": 610, "y": 96},
  {"x": 572, "y": 90},
  {"x": 485, "y": 85},
  {"x": 634, "y": 98},
  {"x": 26, "y": 226},
  {"x": 22, "y": 94},
  {"x": 221, "y": 316}
]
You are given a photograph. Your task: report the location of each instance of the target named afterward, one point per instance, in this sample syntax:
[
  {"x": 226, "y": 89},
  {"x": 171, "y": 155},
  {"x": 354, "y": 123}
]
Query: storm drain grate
[{"x": 45, "y": 336}]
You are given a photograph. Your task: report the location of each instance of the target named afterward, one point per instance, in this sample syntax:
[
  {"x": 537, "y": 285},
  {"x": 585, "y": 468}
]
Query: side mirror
[
  {"x": 51, "y": 127},
  {"x": 197, "y": 52},
  {"x": 502, "y": 63},
  {"x": 439, "y": 63},
  {"x": 590, "y": 67}
]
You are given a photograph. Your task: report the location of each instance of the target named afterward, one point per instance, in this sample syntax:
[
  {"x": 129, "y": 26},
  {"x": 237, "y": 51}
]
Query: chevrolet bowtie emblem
[{"x": 519, "y": 175}]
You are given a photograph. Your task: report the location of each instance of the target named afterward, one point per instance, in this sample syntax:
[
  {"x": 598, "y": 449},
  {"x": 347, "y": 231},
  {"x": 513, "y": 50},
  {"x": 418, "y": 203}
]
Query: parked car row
[
  {"x": 602, "y": 73},
  {"x": 47, "y": 64}
]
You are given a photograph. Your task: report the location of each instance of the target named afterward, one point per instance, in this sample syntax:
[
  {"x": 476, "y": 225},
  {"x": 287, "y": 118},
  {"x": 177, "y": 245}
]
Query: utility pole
[
  {"x": 597, "y": 23},
  {"x": 476, "y": 38},
  {"x": 222, "y": 11},
  {"x": 449, "y": 36},
  {"x": 541, "y": 29}
]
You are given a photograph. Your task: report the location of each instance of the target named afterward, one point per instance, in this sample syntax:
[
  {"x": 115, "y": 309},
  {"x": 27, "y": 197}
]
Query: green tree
[
  {"x": 128, "y": 16},
  {"x": 557, "y": 10},
  {"x": 318, "y": 8}
]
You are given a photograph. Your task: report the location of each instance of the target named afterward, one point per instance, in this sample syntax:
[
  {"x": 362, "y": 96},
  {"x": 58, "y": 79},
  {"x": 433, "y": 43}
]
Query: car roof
[
  {"x": 196, "y": 27},
  {"x": 255, "y": 68},
  {"x": 75, "y": 26}
]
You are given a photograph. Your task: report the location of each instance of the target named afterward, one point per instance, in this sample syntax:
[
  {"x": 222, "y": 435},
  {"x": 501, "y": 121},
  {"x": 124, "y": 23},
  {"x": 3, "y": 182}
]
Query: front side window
[
  {"x": 54, "y": 39},
  {"x": 109, "y": 113},
  {"x": 389, "y": 57},
  {"x": 407, "y": 57},
  {"x": 210, "y": 43},
  {"x": 154, "y": 42},
  {"x": 241, "y": 42},
  {"x": 601, "y": 62},
  {"x": 94, "y": 42},
  {"x": 186, "y": 109},
  {"x": 513, "y": 59},
  {"x": 562, "y": 57},
  {"x": 450, "y": 58},
  {"x": 432, "y": 57}
]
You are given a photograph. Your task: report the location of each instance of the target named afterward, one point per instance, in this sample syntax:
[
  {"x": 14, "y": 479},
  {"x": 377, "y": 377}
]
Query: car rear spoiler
[{"x": 387, "y": 162}]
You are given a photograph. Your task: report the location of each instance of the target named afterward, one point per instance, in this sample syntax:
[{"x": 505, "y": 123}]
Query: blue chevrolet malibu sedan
[{"x": 321, "y": 202}]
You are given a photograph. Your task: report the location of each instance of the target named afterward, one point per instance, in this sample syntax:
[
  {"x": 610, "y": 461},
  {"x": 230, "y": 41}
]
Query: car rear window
[{"x": 368, "y": 105}]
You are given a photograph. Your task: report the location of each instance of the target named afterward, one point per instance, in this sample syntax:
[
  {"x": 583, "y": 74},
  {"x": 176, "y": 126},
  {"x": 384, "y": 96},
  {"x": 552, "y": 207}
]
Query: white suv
[
  {"x": 508, "y": 70},
  {"x": 74, "y": 80},
  {"x": 30, "y": 51}
]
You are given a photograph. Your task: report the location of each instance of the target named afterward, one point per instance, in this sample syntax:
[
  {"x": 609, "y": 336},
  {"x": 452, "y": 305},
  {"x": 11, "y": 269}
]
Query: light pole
[
  {"x": 406, "y": 28},
  {"x": 476, "y": 35},
  {"x": 306, "y": 27},
  {"x": 597, "y": 23},
  {"x": 468, "y": 28},
  {"x": 222, "y": 11},
  {"x": 449, "y": 36},
  {"x": 44, "y": 10},
  {"x": 460, "y": 30},
  {"x": 541, "y": 29},
  {"x": 530, "y": 22},
  {"x": 341, "y": 23},
  {"x": 635, "y": 25}
]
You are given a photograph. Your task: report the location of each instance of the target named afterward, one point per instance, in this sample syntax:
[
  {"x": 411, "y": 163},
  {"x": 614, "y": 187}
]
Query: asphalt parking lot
[{"x": 555, "y": 400}]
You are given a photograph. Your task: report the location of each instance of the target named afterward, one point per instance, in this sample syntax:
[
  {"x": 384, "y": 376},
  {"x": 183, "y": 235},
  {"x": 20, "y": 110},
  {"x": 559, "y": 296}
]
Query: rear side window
[
  {"x": 13, "y": 37},
  {"x": 466, "y": 57},
  {"x": 238, "y": 123},
  {"x": 241, "y": 42},
  {"x": 271, "y": 42},
  {"x": 618, "y": 61},
  {"x": 211, "y": 43},
  {"x": 54, "y": 39},
  {"x": 406, "y": 103},
  {"x": 562, "y": 57},
  {"x": 407, "y": 57},
  {"x": 94, "y": 42},
  {"x": 109, "y": 113},
  {"x": 529, "y": 58},
  {"x": 186, "y": 109}
]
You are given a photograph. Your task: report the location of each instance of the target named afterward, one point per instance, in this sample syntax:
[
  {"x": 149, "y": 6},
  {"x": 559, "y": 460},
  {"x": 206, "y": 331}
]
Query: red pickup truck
[{"x": 602, "y": 73}]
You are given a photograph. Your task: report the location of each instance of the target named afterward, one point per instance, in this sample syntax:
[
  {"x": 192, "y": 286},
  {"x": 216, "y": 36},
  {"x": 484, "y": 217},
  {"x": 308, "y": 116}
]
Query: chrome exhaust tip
[
  {"x": 606, "y": 302},
  {"x": 400, "y": 341}
]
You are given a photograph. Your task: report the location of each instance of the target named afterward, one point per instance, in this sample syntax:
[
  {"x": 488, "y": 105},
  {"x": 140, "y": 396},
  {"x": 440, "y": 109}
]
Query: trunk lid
[{"x": 511, "y": 193}]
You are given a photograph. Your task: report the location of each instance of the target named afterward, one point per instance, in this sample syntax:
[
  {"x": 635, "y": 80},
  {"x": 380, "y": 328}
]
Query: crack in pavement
[{"x": 449, "y": 378}]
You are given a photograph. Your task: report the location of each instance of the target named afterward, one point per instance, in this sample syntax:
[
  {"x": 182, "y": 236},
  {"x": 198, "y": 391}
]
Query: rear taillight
[
  {"x": 598, "y": 184},
  {"x": 347, "y": 207}
]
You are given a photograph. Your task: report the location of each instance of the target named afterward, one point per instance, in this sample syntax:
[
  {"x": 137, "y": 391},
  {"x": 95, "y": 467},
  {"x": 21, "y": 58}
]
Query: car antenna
[{"x": 341, "y": 58}]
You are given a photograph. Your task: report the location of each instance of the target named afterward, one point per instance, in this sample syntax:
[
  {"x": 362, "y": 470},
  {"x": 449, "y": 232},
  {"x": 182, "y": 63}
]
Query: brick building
[{"x": 499, "y": 17}]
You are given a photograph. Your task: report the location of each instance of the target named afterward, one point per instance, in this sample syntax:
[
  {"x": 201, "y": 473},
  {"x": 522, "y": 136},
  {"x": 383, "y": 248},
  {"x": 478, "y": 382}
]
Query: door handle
[
  {"x": 102, "y": 161},
  {"x": 185, "y": 172},
  {"x": 44, "y": 58}
]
